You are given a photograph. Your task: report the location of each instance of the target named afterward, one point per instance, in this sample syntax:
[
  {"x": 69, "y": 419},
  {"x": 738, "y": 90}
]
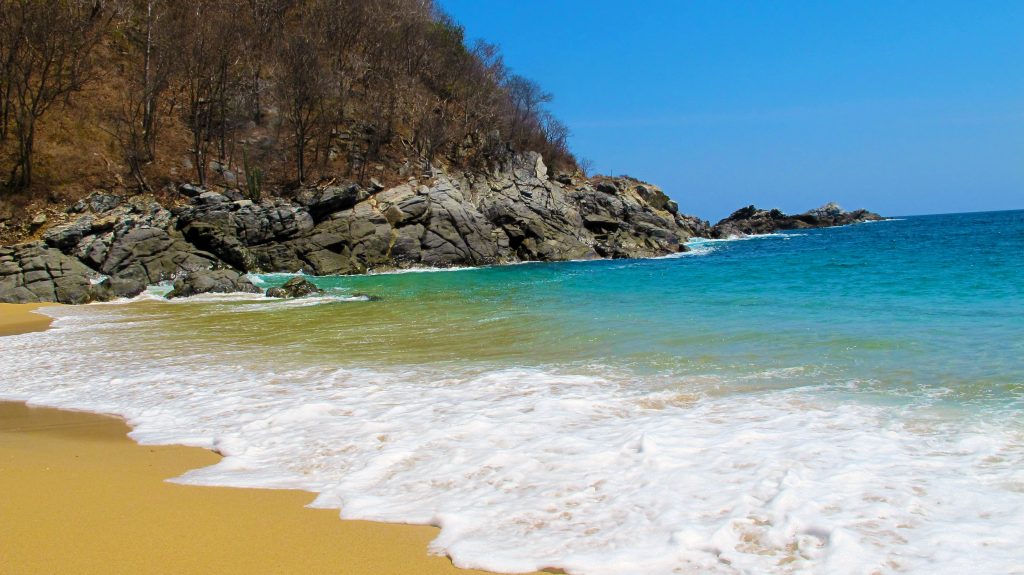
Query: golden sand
[
  {"x": 78, "y": 496},
  {"x": 18, "y": 318}
]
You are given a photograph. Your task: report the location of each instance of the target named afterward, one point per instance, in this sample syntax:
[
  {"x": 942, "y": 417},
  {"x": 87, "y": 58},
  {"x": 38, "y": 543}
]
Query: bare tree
[
  {"x": 526, "y": 98},
  {"x": 207, "y": 56},
  {"x": 52, "y": 61},
  {"x": 301, "y": 90},
  {"x": 263, "y": 25}
]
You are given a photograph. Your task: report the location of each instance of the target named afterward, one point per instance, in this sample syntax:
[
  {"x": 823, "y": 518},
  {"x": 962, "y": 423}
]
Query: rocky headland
[{"x": 113, "y": 247}]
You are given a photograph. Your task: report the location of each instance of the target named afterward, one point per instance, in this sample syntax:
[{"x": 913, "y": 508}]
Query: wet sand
[
  {"x": 18, "y": 318},
  {"x": 80, "y": 497}
]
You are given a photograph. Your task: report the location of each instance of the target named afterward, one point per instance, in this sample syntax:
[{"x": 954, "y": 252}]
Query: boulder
[
  {"x": 211, "y": 281},
  {"x": 210, "y": 198},
  {"x": 35, "y": 272},
  {"x": 513, "y": 213},
  {"x": 100, "y": 203},
  {"x": 600, "y": 224},
  {"x": 329, "y": 200},
  {"x": 190, "y": 190},
  {"x": 66, "y": 237},
  {"x": 139, "y": 257},
  {"x": 295, "y": 287}
]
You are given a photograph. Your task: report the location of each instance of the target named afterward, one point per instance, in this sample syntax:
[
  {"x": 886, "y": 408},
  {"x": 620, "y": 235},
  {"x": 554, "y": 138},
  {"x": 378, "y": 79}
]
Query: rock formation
[
  {"x": 511, "y": 214},
  {"x": 295, "y": 287},
  {"x": 751, "y": 220},
  {"x": 211, "y": 281}
]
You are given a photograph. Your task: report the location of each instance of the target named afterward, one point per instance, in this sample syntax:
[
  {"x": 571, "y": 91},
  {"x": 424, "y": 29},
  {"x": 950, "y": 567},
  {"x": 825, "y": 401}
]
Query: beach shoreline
[
  {"x": 18, "y": 318},
  {"x": 81, "y": 497}
]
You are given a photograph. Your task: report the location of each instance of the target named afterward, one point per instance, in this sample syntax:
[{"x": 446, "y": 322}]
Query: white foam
[
  {"x": 421, "y": 270},
  {"x": 529, "y": 468}
]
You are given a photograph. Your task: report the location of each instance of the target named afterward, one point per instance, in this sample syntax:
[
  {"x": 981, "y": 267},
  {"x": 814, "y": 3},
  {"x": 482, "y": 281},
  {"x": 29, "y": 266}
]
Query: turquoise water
[
  {"x": 930, "y": 306},
  {"x": 844, "y": 400}
]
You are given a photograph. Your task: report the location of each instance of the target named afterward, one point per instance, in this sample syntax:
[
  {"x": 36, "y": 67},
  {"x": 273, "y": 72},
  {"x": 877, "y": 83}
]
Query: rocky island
[{"x": 752, "y": 221}]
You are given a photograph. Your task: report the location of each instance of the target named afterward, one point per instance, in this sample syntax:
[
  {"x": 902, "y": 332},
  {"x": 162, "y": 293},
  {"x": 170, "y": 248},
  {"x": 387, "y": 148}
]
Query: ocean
[{"x": 844, "y": 400}]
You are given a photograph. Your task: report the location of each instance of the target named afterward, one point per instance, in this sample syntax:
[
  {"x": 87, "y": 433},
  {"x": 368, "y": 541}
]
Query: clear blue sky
[{"x": 901, "y": 107}]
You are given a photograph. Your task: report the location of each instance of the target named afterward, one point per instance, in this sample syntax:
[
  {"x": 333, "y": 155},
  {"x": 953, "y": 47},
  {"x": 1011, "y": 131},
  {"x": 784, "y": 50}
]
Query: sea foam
[{"x": 597, "y": 473}]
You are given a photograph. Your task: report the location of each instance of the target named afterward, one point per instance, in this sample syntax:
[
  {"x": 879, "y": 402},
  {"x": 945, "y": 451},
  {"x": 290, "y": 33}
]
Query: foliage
[
  {"x": 253, "y": 178},
  {"x": 308, "y": 89}
]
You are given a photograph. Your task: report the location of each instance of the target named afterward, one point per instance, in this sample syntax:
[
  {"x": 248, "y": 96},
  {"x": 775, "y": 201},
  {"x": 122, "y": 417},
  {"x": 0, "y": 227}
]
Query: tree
[
  {"x": 526, "y": 98},
  {"x": 208, "y": 54},
  {"x": 263, "y": 26},
  {"x": 151, "y": 63},
  {"x": 301, "y": 90},
  {"x": 52, "y": 43}
]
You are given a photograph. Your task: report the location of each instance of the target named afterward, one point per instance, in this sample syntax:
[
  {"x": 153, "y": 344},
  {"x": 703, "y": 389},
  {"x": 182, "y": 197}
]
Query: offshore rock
[
  {"x": 751, "y": 220},
  {"x": 295, "y": 287},
  {"x": 212, "y": 281}
]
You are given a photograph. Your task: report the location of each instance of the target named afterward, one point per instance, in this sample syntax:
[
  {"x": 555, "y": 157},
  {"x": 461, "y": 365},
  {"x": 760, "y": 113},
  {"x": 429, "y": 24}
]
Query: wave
[{"x": 524, "y": 468}]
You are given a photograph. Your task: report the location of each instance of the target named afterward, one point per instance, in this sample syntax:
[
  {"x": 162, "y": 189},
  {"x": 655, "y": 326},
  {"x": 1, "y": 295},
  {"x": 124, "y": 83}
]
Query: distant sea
[{"x": 845, "y": 400}]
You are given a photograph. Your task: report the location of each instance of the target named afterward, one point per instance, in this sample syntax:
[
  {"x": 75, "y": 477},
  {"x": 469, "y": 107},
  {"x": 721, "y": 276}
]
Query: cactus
[{"x": 253, "y": 178}]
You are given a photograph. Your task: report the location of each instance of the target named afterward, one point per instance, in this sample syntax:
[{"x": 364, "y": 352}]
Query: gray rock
[
  {"x": 35, "y": 272},
  {"x": 600, "y": 224},
  {"x": 514, "y": 213},
  {"x": 139, "y": 257},
  {"x": 211, "y": 281},
  {"x": 751, "y": 220},
  {"x": 101, "y": 203},
  {"x": 210, "y": 198},
  {"x": 190, "y": 190},
  {"x": 329, "y": 200},
  {"x": 295, "y": 287},
  {"x": 66, "y": 237}
]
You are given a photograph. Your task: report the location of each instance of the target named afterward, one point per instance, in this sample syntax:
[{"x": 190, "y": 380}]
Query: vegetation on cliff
[{"x": 133, "y": 95}]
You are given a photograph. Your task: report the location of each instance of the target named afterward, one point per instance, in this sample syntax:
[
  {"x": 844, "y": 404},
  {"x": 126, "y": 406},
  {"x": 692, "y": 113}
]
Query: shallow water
[{"x": 830, "y": 401}]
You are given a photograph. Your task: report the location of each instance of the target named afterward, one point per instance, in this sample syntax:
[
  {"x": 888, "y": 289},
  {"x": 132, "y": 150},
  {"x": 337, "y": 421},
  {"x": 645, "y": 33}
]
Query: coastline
[
  {"x": 18, "y": 318},
  {"x": 81, "y": 497}
]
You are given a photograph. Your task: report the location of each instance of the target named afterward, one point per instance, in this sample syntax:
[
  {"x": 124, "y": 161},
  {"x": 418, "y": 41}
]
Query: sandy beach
[
  {"x": 19, "y": 318},
  {"x": 81, "y": 497}
]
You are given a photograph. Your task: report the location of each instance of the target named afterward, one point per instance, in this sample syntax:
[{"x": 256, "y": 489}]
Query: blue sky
[{"x": 900, "y": 107}]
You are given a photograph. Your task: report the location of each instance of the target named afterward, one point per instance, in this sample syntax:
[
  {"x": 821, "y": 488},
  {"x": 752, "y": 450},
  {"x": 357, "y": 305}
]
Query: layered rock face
[
  {"x": 751, "y": 220},
  {"x": 513, "y": 214},
  {"x": 453, "y": 220},
  {"x": 34, "y": 273}
]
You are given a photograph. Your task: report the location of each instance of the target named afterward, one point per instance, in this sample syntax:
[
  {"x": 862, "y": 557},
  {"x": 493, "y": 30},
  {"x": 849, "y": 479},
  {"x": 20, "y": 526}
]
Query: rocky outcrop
[
  {"x": 34, "y": 272},
  {"x": 211, "y": 281},
  {"x": 753, "y": 221},
  {"x": 134, "y": 244},
  {"x": 515, "y": 213},
  {"x": 295, "y": 287}
]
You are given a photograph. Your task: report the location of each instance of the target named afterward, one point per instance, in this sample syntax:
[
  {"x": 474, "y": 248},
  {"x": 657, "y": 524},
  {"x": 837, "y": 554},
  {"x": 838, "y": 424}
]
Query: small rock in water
[
  {"x": 295, "y": 287},
  {"x": 211, "y": 281}
]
